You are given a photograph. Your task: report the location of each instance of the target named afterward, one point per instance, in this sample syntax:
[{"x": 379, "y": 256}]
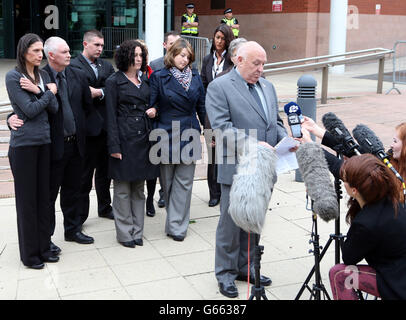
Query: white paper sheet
[{"x": 286, "y": 159}]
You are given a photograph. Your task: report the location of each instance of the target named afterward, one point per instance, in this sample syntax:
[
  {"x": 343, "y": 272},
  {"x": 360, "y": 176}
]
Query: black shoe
[
  {"x": 150, "y": 208},
  {"x": 161, "y": 202},
  {"x": 229, "y": 290},
  {"x": 80, "y": 238},
  {"x": 176, "y": 238},
  {"x": 51, "y": 259},
  {"x": 139, "y": 242},
  {"x": 37, "y": 266},
  {"x": 214, "y": 202},
  {"x": 128, "y": 244},
  {"x": 55, "y": 250},
  {"x": 108, "y": 215},
  {"x": 264, "y": 281}
]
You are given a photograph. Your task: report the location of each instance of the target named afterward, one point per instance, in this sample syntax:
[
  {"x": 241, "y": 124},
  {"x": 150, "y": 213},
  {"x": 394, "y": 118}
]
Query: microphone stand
[
  {"x": 318, "y": 287},
  {"x": 338, "y": 237},
  {"x": 257, "y": 290}
]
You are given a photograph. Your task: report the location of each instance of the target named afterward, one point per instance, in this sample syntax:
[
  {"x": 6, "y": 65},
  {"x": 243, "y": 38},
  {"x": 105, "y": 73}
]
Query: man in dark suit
[
  {"x": 96, "y": 155},
  {"x": 68, "y": 136}
]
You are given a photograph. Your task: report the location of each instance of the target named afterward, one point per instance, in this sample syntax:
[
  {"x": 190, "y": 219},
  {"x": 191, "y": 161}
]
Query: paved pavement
[{"x": 164, "y": 269}]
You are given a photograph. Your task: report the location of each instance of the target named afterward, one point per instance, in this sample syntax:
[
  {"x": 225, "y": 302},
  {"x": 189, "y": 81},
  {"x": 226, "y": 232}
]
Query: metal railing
[
  {"x": 399, "y": 65},
  {"x": 201, "y": 46},
  {"x": 113, "y": 37},
  {"x": 314, "y": 63}
]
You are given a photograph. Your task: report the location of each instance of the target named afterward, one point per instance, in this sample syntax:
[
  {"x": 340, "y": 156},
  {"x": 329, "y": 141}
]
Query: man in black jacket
[
  {"x": 96, "y": 155},
  {"x": 68, "y": 136}
]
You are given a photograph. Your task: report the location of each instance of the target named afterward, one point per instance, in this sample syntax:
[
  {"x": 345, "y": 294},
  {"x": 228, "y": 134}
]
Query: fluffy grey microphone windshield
[
  {"x": 252, "y": 188},
  {"x": 314, "y": 169}
]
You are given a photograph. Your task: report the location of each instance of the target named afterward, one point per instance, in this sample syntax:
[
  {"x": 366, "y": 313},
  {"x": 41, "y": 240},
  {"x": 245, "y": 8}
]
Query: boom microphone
[
  {"x": 337, "y": 128},
  {"x": 316, "y": 176},
  {"x": 372, "y": 144},
  {"x": 294, "y": 118},
  {"x": 252, "y": 186}
]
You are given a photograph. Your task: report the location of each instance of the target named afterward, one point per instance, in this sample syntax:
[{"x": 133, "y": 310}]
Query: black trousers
[
  {"x": 30, "y": 167},
  {"x": 151, "y": 185},
  {"x": 66, "y": 174},
  {"x": 96, "y": 163},
  {"x": 214, "y": 187}
]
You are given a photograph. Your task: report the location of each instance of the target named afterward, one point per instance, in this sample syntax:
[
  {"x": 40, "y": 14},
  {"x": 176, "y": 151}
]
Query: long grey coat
[{"x": 230, "y": 107}]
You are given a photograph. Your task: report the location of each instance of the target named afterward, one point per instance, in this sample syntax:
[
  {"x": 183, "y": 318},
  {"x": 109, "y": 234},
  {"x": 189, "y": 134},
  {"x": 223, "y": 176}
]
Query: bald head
[{"x": 251, "y": 58}]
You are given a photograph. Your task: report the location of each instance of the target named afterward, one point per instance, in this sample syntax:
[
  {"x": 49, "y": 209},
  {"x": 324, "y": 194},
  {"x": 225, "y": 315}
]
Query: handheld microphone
[
  {"x": 314, "y": 169},
  {"x": 370, "y": 142},
  {"x": 294, "y": 118},
  {"x": 337, "y": 128},
  {"x": 252, "y": 187}
]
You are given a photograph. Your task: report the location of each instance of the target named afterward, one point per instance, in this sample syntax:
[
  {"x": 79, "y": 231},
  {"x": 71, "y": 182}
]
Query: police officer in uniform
[
  {"x": 190, "y": 22},
  {"x": 231, "y": 21}
]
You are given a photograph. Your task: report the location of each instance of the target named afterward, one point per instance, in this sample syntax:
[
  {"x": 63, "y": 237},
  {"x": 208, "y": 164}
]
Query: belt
[{"x": 70, "y": 138}]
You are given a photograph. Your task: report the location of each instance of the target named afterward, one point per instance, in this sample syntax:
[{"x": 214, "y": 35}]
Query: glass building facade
[{"x": 69, "y": 19}]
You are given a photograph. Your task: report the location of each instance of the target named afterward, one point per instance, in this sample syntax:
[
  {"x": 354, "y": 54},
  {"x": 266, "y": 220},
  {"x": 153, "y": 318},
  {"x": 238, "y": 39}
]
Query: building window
[{"x": 218, "y": 4}]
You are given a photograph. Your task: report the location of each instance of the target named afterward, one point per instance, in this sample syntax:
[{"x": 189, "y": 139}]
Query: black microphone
[
  {"x": 372, "y": 144},
  {"x": 294, "y": 118},
  {"x": 314, "y": 169},
  {"x": 252, "y": 187},
  {"x": 336, "y": 127}
]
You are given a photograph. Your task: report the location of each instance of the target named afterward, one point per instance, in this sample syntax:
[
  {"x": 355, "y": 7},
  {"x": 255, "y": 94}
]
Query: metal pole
[
  {"x": 324, "y": 85},
  {"x": 380, "y": 75}
]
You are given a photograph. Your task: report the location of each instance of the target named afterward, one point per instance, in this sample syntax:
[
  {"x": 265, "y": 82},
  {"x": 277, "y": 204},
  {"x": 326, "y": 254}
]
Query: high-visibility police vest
[
  {"x": 230, "y": 22},
  {"x": 191, "y": 30}
]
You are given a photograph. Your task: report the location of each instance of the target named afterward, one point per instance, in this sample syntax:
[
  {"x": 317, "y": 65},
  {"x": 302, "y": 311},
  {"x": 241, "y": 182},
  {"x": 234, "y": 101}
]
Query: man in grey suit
[{"x": 236, "y": 103}]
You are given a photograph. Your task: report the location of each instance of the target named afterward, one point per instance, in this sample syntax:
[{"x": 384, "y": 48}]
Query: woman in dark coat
[
  {"x": 128, "y": 127},
  {"x": 177, "y": 96},
  {"x": 32, "y": 96},
  {"x": 217, "y": 61}
]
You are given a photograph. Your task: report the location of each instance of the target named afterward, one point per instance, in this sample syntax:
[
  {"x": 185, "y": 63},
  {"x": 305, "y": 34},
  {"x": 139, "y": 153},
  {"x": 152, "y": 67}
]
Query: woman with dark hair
[
  {"x": 177, "y": 95},
  {"x": 219, "y": 58},
  {"x": 376, "y": 234},
  {"x": 217, "y": 61},
  {"x": 128, "y": 127},
  {"x": 32, "y": 96}
]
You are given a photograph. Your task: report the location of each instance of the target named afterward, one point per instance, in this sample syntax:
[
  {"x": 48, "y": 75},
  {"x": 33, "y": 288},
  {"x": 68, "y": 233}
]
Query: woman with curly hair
[{"x": 128, "y": 127}]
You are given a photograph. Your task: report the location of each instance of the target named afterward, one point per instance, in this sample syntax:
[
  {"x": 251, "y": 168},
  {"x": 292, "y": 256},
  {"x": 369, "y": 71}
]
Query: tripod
[
  {"x": 318, "y": 287},
  {"x": 257, "y": 290}
]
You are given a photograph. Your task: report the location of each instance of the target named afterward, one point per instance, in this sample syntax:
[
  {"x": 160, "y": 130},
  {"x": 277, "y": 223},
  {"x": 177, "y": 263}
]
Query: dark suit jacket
[
  {"x": 32, "y": 109},
  {"x": 378, "y": 237},
  {"x": 207, "y": 75},
  {"x": 105, "y": 69},
  {"x": 174, "y": 103},
  {"x": 207, "y": 67},
  {"x": 81, "y": 103}
]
